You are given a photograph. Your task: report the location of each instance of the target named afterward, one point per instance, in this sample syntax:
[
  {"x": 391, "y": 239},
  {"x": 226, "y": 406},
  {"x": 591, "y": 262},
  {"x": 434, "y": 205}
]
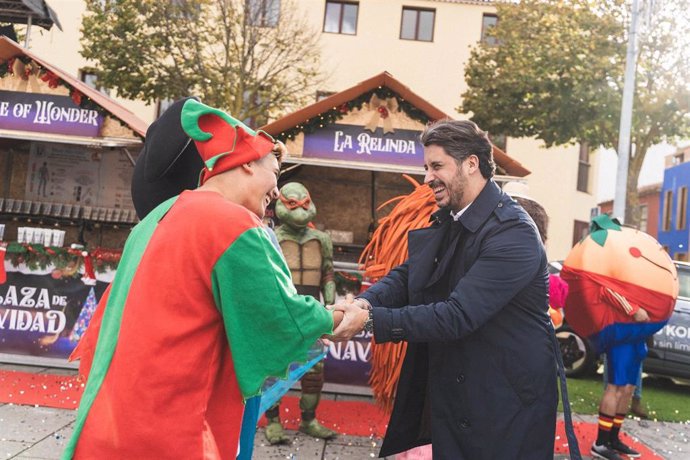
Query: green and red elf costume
[{"x": 202, "y": 310}]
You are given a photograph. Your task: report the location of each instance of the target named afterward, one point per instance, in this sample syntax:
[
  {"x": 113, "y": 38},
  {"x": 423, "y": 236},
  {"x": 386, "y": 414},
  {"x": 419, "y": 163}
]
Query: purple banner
[
  {"x": 43, "y": 315},
  {"x": 348, "y": 363},
  {"x": 354, "y": 143},
  {"x": 46, "y": 113}
]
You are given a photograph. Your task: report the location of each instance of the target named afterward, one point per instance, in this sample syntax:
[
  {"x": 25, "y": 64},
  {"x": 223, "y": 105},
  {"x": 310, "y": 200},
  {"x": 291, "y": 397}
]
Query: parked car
[
  {"x": 669, "y": 349},
  {"x": 669, "y": 352}
]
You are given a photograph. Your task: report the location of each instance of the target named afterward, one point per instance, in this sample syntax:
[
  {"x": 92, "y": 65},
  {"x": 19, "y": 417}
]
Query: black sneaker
[
  {"x": 604, "y": 451},
  {"x": 619, "y": 447}
]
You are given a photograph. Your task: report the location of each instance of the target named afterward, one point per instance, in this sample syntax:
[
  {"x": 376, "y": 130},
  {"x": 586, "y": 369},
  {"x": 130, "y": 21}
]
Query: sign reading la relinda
[
  {"x": 47, "y": 113},
  {"x": 355, "y": 143}
]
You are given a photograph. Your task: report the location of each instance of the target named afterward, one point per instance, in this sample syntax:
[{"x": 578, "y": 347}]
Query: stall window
[
  {"x": 681, "y": 208},
  {"x": 91, "y": 79},
  {"x": 417, "y": 24},
  {"x": 341, "y": 17},
  {"x": 489, "y": 21},
  {"x": 263, "y": 13}
]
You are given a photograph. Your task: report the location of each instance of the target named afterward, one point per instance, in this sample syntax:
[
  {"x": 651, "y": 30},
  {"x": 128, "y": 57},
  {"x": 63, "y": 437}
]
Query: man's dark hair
[{"x": 460, "y": 139}]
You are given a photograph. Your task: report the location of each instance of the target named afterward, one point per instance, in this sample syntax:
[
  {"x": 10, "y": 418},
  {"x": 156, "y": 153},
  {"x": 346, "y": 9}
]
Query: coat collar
[{"x": 479, "y": 211}]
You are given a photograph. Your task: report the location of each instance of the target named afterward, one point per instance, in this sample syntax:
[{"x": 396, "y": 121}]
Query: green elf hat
[{"x": 222, "y": 141}]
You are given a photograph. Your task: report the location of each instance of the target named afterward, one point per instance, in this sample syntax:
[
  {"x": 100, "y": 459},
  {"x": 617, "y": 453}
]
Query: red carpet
[{"x": 347, "y": 417}]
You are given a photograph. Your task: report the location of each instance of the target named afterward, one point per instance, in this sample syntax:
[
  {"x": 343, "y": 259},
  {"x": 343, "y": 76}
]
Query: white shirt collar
[{"x": 456, "y": 215}]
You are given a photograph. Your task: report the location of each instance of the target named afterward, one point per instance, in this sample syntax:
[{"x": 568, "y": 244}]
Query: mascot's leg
[
  {"x": 312, "y": 383},
  {"x": 274, "y": 430}
]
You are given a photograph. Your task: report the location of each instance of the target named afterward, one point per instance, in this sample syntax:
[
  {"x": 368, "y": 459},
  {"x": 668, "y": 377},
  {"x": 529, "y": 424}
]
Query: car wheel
[{"x": 578, "y": 355}]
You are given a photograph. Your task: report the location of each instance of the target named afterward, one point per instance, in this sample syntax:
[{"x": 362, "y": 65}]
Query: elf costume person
[{"x": 202, "y": 310}]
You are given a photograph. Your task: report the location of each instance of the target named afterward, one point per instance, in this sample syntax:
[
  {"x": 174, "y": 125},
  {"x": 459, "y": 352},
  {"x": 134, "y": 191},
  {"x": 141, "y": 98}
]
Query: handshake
[{"x": 349, "y": 318}]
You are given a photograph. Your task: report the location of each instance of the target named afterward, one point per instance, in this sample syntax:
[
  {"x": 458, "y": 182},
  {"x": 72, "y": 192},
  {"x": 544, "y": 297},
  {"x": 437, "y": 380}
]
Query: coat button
[
  {"x": 435, "y": 260},
  {"x": 460, "y": 378},
  {"x": 464, "y": 423},
  {"x": 500, "y": 205}
]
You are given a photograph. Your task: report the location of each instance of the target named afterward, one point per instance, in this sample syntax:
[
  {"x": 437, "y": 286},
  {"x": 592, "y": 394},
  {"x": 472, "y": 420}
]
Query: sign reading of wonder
[
  {"x": 47, "y": 113},
  {"x": 354, "y": 143}
]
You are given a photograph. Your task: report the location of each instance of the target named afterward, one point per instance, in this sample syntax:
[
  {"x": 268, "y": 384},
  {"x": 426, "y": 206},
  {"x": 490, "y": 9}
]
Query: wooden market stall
[
  {"x": 66, "y": 162},
  {"x": 351, "y": 150}
]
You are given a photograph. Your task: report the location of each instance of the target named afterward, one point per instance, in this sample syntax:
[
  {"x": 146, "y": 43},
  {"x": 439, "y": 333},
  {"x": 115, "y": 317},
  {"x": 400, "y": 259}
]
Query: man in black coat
[{"x": 479, "y": 376}]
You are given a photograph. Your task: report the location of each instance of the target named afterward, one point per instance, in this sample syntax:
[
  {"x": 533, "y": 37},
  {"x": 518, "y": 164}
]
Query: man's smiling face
[{"x": 446, "y": 177}]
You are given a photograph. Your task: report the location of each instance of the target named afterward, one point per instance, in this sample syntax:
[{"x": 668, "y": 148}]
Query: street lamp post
[{"x": 619, "y": 200}]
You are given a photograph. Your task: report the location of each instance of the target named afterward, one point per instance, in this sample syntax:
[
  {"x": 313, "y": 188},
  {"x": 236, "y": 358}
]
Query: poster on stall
[
  {"x": 44, "y": 315},
  {"x": 347, "y": 363},
  {"x": 73, "y": 175}
]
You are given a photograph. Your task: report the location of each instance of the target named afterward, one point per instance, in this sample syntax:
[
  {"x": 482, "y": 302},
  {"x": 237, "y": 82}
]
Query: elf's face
[{"x": 264, "y": 184}]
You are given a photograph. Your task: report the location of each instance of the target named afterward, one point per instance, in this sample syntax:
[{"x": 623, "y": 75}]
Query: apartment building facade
[{"x": 425, "y": 44}]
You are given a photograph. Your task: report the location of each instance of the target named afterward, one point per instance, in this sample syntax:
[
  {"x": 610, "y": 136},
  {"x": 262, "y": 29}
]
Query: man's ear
[
  {"x": 473, "y": 163},
  {"x": 247, "y": 167}
]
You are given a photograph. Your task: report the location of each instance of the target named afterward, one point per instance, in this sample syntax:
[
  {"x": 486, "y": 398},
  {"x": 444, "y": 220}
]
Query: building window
[
  {"x": 341, "y": 17},
  {"x": 580, "y": 230},
  {"x": 263, "y": 13},
  {"x": 417, "y": 24},
  {"x": 583, "y": 169},
  {"x": 321, "y": 95},
  {"x": 163, "y": 105},
  {"x": 666, "y": 218},
  {"x": 644, "y": 216},
  {"x": 681, "y": 208},
  {"x": 489, "y": 21},
  {"x": 91, "y": 79}
]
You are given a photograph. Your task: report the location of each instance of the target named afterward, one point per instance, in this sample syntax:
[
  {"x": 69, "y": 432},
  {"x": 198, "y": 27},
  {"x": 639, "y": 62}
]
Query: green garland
[
  {"x": 37, "y": 256},
  {"x": 336, "y": 113}
]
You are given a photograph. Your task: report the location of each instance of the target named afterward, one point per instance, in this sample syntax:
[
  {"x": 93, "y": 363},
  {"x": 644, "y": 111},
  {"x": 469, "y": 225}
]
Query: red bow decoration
[
  {"x": 76, "y": 97},
  {"x": 292, "y": 203},
  {"x": 50, "y": 78}
]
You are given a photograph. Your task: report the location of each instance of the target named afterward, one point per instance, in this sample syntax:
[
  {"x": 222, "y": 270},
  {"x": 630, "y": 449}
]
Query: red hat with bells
[{"x": 222, "y": 141}]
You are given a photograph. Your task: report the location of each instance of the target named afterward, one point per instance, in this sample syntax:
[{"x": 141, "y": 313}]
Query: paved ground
[{"x": 28, "y": 432}]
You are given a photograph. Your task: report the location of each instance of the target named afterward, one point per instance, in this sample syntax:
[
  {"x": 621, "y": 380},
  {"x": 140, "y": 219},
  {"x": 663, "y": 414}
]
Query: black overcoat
[{"x": 479, "y": 376}]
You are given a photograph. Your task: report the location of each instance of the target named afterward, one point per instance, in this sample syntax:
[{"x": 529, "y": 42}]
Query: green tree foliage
[
  {"x": 254, "y": 58},
  {"x": 557, "y": 74}
]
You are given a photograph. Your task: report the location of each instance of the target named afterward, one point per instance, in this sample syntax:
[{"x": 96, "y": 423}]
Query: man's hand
[
  {"x": 353, "y": 321},
  {"x": 641, "y": 315},
  {"x": 337, "y": 317}
]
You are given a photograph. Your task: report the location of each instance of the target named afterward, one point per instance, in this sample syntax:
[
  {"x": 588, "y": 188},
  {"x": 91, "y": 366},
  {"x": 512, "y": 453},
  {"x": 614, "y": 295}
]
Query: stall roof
[
  {"x": 511, "y": 166},
  {"x": 19, "y": 12},
  {"x": 10, "y": 49}
]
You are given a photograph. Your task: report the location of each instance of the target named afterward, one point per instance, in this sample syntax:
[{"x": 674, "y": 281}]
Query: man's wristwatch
[{"x": 369, "y": 323}]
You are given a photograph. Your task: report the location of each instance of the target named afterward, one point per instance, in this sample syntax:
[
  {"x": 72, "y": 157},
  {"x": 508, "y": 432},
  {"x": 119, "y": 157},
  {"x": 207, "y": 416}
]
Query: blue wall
[{"x": 676, "y": 240}]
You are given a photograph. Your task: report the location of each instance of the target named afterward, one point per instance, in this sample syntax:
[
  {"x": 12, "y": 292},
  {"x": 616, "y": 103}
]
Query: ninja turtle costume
[{"x": 309, "y": 255}]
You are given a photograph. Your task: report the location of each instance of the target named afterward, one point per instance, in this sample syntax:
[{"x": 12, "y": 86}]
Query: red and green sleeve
[{"x": 267, "y": 323}]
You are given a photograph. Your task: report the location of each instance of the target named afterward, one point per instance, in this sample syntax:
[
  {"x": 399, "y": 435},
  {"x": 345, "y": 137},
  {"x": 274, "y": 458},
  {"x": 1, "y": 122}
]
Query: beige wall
[
  {"x": 434, "y": 70},
  {"x": 553, "y": 183}
]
